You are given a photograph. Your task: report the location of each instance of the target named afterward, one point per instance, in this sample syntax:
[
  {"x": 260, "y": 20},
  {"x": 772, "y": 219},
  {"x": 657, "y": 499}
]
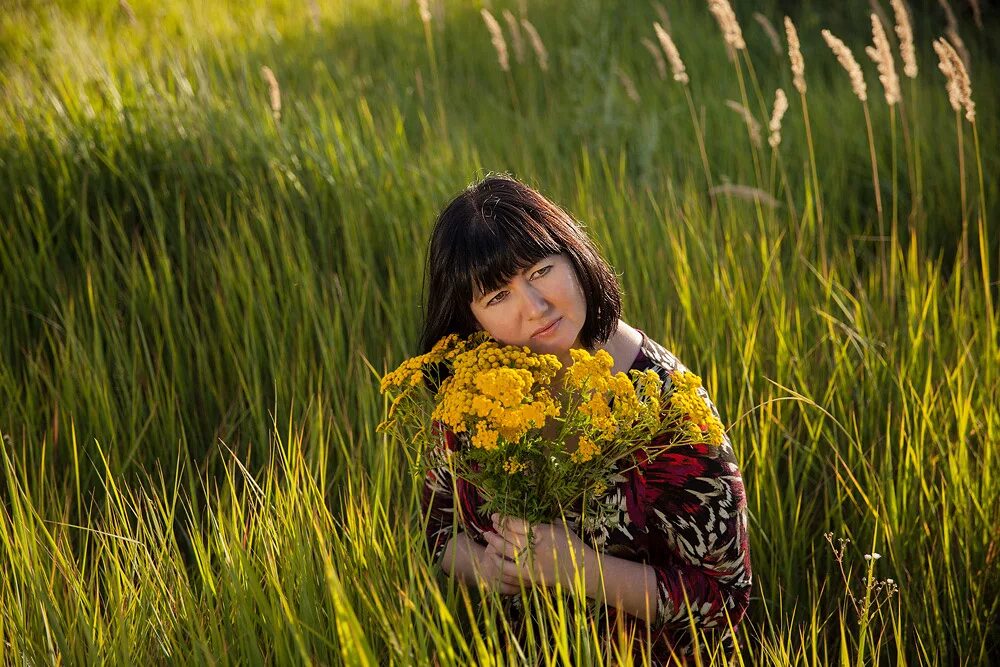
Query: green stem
[
  {"x": 878, "y": 188},
  {"x": 700, "y": 136},
  {"x": 816, "y": 193}
]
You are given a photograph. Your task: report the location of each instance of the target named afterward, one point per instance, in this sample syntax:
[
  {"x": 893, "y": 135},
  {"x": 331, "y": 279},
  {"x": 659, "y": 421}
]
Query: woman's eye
[
  {"x": 542, "y": 271},
  {"x": 498, "y": 298}
]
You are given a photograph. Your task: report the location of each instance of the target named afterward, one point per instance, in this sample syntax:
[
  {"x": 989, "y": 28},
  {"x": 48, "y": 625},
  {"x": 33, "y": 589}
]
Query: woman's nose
[{"x": 536, "y": 303}]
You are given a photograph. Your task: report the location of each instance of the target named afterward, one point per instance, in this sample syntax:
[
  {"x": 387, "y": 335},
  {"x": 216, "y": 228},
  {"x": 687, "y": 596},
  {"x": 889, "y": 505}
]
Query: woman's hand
[
  {"x": 549, "y": 560},
  {"x": 490, "y": 574}
]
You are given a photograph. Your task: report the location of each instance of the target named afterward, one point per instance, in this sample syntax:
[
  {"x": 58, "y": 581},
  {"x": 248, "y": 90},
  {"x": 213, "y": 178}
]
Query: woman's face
[{"x": 547, "y": 293}]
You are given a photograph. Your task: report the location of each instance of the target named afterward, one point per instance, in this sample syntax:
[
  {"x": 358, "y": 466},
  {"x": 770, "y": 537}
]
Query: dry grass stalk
[
  {"x": 769, "y": 30},
  {"x": 881, "y": 55},
  {"x": 673, "y": 55},
  {"x": 127, "y": 11},
  {"x": 904, "y": 30},
  {"x": 753, "y": 127},
  {"x": 661, "y": 13},
  {"x": 661, "y": 64},
  {"x": 314, "y": 14},
  {"x": 977, "y": 13},
  {"x": 496, "y": 36},
  {"x": 274, "y": 90},
  {"x": 424, "y": 8},
  {"x": 949, "y": 15},
  {"x": 795, "y": 56},
  {"x": 745, "y": 192},
  {"x": 418, "y": 77},
  {"x": 956, "y": 41},
  {"x": 726, "y": 18},
  {"x": 536, "y": 44},
  {"x": 876, "y": 7},
  {"x": 951, "y": 32},
  {"x": 780, "y": 107},
  {"x": 847, "y": 61},
  {"x": 515, "y": 35},
  {"x": 957, "y": 81},
  {"x": 627, "y": 84}
]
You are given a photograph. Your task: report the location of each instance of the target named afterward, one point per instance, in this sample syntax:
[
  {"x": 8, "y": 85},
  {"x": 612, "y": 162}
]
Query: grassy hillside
[{"x": 203, "y": 268}]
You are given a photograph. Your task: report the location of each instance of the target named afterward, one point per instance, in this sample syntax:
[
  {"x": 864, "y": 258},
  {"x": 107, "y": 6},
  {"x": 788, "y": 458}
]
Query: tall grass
[{"x": 203, "y": 270}]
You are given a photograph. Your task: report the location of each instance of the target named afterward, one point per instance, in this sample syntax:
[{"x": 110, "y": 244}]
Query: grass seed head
[
  {"x": 425, "y": 11},
  {"x": 654, "y": 51},
  {"x": 627, "y": 84},
  {"x": 536, "y": 44},
  {"x": 661, "y": 12},
  {"x": 951, "y": 32},
  {"x": 780, "y": 107},
  {"x": 128, "y": 12},
  {"x": 881, "y": 55},
  {"x": 769, "y": 30},
  {"x": 753, "y": 127},
  {"x": 274, "y": 90},
  {"x": 957, "y": 81},
  {"x": 795, "y": 57},
  {"x": 515, "y": 35},
  {"x": 746, "y": 192},
  {"x": 496, "y": 36},
  {"x": 977, "y": 13},
  {"x": 673, "y": 55},
  {"x": 847, "y": 61},
  {"x": 726, "y": 17},
  {"x": 904, "y": 30}
]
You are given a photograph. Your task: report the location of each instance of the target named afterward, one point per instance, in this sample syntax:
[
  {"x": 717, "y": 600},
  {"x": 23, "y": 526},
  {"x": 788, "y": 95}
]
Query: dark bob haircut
[{"x": 490, "y": 232}]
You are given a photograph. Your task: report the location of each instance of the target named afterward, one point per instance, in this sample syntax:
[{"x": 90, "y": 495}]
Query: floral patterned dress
[{"x": 683, "y": 513}]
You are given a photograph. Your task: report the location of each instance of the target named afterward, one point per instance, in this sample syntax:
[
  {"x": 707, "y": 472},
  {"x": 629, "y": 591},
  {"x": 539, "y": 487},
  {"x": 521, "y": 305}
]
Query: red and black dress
[{"x": 684, "y": 513}]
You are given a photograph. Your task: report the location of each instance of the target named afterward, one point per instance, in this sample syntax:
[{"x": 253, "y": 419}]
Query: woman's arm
[
  {"x": 697, "y": 525},
  {"x": 626, "y": 585},
  {"x": 438, "y": 499},
  {"x": 461, "y": 559}
]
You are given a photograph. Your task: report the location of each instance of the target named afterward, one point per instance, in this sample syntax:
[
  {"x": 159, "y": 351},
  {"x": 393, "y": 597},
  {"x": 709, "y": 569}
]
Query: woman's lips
[{"x": 545, "y": 332}]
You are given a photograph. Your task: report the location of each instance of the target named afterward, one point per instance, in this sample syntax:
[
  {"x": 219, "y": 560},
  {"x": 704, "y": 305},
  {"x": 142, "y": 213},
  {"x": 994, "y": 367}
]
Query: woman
[{"x": 673, "y": 538}]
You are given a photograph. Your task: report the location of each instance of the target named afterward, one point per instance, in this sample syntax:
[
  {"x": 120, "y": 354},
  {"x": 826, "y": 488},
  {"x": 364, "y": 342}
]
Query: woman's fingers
[
  {"x": 507, "y": 546},
  {"x": 509, "y": 524},
  {"x": 507, "y": 581},
  {"x": 514, "y": 570}
]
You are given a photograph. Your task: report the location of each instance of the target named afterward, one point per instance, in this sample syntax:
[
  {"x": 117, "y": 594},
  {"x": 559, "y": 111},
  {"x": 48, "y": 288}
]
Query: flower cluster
[
  {"x": 697, "y": 420},
  {"x": 497, "y": 392},
  {"x": 500, "y": 400}
]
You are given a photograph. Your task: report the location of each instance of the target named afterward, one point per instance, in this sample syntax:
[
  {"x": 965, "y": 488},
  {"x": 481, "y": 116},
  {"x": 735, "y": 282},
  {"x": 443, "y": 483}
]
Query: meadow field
[{"x": 214, "y": 224}]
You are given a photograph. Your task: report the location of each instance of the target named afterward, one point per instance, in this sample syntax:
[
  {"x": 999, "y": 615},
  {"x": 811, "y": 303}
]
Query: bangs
[{"x": 497, "y": 248}]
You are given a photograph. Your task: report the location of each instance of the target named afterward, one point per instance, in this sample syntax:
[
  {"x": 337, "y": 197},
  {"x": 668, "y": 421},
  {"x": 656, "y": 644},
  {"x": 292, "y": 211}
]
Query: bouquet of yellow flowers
[{"x": 500, "y": 398}]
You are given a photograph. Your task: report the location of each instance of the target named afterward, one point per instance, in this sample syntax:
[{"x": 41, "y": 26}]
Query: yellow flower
[
  {"x": 686, "y": 380},
  {"x": 485, "y": 439},
  {"x": 513, "y": 466},
  {"x": 588, "y": 371},
  {"x": 715, "y": 432},
  {"x": 651, "y": 384},
  {"x": 585, "y": 451}
]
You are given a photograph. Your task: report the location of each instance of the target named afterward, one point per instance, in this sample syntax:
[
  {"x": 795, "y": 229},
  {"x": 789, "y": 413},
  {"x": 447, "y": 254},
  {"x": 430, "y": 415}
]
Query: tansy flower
[
  {"x": 586, "y": 450},
  {"x": 485, "y": 439},
  {"x": 512, "y": 466}
]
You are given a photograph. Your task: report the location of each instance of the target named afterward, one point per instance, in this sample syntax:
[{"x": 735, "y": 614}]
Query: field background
[{"x": 196, "y": 294}]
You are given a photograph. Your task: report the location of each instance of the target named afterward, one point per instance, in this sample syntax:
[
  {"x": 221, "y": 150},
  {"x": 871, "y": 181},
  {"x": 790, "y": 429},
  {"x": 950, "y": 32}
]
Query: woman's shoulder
[{"x": 653, "y": 355}]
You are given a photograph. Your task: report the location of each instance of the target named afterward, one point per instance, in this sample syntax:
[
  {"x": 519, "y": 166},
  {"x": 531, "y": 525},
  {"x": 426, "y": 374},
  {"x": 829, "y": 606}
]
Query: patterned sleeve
[
  {"x": 697, "y": 521},
  {"x": 438, "y": 497}
]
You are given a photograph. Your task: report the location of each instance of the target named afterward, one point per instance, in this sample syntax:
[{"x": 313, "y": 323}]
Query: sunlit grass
[{"x": 194, "y": 293}]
